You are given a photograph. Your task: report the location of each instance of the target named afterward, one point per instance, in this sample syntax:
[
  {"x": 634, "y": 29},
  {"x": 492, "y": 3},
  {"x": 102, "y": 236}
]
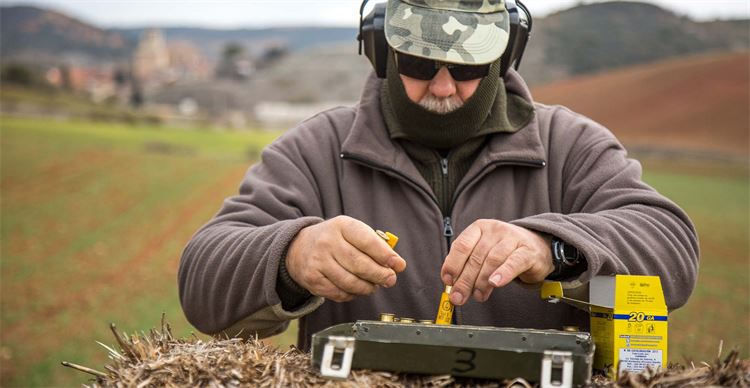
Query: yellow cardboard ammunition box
[{"x": 628, "y": 321}]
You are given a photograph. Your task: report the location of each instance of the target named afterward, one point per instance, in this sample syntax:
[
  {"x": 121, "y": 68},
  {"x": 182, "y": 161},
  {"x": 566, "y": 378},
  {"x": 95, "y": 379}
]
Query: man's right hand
[{"x": 341, "y": 258}]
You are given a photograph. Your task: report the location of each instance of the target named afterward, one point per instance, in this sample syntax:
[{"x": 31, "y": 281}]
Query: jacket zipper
[{"x": 447, "y": 227}]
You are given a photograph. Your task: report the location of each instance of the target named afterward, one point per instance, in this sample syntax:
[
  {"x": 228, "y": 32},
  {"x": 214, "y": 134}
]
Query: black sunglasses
[{"x": 425, "y": 69}]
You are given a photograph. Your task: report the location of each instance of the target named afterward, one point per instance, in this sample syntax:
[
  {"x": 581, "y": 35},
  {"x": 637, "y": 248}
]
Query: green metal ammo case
[{"x": 551, "y": 357}]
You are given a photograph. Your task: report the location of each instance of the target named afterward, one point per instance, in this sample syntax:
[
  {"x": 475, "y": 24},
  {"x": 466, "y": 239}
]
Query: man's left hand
[{"x": 490, "y": 254}]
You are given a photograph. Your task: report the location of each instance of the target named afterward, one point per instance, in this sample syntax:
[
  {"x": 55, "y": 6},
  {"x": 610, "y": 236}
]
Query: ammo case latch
[
  {"x": 337, "y": 357},
  {"x": 557, "y": 369}
]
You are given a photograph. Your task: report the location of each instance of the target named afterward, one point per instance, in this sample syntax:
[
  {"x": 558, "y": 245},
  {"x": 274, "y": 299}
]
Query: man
[{"x": 488, "y": 191}]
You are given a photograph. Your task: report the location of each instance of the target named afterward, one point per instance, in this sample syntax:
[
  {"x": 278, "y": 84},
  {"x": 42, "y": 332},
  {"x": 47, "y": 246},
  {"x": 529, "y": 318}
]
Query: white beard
[{"x": 440, "y": 105}]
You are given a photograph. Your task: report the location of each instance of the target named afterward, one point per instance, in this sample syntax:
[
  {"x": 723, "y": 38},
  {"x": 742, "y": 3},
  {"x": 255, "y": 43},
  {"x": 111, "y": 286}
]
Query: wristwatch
[{"x": 566, "y": 259}]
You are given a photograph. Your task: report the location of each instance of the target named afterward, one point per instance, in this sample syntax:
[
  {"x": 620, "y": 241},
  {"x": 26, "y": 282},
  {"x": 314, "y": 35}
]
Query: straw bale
[{"x": 157, "y": 359}]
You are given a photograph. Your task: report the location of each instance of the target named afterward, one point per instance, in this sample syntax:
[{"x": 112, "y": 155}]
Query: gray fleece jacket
[{"x": 562, "y": 174}]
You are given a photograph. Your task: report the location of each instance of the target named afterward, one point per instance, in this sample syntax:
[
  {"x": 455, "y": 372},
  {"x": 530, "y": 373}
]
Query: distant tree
[
  {"x": 271, "y": 55},
  {"x": 136, "y": 96},
  {"x": 16, "y": 73},
  {"x": 233, "y": 51},
  {"x": 67, "y": 82},
  {"x": 121, "y": 77},
  {"x": 274, "y": 53},
  {"x": 235, "y": 63}
]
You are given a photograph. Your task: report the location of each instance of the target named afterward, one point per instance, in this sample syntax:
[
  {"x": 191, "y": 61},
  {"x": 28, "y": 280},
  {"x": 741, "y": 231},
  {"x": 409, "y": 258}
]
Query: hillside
[
  {"x": 581, "y": 40},
  {"x": 38, "y": 34},
  {"x": 699, "y": 103},
  {"x": 211, "y": 42},
  {"x": 596, "y": 37},
  {"x": 32, "y": 31}
]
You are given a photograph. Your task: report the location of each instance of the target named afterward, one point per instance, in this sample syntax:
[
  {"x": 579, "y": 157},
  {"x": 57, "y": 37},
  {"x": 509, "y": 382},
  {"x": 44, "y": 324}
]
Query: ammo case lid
[{"x": 459, "y": 350}]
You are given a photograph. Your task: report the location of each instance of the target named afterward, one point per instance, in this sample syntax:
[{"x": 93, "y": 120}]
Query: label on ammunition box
[
  {"x": 632, "y": 333},
  {"x": 636, "y": 360}
]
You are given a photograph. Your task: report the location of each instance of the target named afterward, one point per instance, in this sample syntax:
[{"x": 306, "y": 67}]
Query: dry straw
[{"x": 158, "y": 359}]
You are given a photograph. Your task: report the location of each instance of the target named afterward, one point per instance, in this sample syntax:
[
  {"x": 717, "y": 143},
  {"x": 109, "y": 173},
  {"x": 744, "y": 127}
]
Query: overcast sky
[{"x": 265, "y": 13}]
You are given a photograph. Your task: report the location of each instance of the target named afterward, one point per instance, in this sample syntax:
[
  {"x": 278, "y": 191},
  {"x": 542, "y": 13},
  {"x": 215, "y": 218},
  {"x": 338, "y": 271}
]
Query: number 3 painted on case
[{"x": 467, "y": 361}]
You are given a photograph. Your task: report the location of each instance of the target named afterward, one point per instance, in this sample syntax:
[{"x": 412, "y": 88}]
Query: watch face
[
  {"x": 571, "y": 255},
  {"x": 567, "y": 260}
]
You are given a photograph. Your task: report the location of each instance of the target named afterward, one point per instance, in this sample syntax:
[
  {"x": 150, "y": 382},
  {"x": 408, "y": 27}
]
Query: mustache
[{"x": 440, "y": 105}]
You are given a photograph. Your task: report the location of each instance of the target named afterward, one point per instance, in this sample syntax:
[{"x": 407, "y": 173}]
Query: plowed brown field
[{"x": 699, "y": 103}]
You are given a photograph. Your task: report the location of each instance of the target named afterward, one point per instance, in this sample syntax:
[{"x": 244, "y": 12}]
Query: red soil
[{"x": 695, "y": 103}]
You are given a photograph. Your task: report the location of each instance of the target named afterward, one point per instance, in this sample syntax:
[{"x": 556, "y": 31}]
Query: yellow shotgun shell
[
  {"x": 390, "y": 238},
  {"x": 445, "y": 309}
]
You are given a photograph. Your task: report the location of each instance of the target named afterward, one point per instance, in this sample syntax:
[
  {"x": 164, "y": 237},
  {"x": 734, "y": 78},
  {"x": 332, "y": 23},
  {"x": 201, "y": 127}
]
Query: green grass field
[{"x": 94, "y": 218}]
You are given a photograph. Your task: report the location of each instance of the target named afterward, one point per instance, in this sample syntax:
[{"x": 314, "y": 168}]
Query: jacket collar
[{"x": 368, "y": 139}]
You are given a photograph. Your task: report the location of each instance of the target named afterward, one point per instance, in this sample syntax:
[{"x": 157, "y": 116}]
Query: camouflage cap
[{"x": 471, "y": 32}]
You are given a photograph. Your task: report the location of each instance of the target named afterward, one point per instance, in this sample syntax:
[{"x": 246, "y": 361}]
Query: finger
[
  {"x": 459, "y": 253},
  {"x": 363, "y": 266},
  {"x": 347, "y": 281},
  {"x": 364, "y": 238},
  {"x": 467, "y": 280},
  {"x": 326, "y": 289},
  {"x": 464, "y": 285},
  {"x": 495, "y": 258},
  {"x": 517, "y": 263}
]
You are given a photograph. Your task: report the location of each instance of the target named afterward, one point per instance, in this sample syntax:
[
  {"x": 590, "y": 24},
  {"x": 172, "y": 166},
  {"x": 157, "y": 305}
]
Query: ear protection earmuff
[{"x": 372, "y": 36}]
